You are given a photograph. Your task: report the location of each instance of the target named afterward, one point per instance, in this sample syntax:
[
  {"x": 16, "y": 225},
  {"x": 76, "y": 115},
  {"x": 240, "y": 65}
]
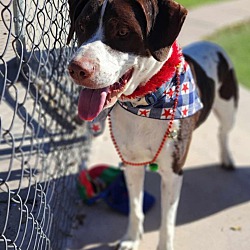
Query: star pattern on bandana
[
  {"x": 169, "y": 93},
  {"x": 185, "y": 88},
  {"x": 185, "y": 111},
  {"x": 166, "y": 113},
  {"x": 188, "y": 101},
  {"x": 144, "y": 112},
  {"x": 96, "y": 127}
]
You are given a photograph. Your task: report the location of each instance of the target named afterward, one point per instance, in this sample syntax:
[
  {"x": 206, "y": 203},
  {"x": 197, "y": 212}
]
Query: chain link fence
[{"x": 42, "y": 143}]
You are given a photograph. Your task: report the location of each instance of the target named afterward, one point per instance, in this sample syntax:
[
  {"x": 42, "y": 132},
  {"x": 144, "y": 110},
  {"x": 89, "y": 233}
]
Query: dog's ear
[
  {"x": 75, "y": 9},
  {"x": 149, "y": 9},
  {"x": 169, "y": 18}
]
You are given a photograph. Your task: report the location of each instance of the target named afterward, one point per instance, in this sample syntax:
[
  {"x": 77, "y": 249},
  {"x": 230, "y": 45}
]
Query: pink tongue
[{"x": 91, "y": 102}]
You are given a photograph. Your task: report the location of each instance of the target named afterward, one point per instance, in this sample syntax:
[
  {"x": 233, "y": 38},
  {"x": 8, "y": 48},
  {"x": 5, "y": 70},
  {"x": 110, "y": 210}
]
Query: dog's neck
[{"x": 165, "y": 74}]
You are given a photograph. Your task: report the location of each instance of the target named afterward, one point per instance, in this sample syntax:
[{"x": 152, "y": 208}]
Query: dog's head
[{"x": 122, "y": 44}]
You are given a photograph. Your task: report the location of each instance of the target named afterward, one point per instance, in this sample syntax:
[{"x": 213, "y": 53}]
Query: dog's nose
[{"x": 81, "y": 70}]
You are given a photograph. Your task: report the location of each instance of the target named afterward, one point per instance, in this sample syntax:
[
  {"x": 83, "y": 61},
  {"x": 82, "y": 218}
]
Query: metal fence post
[
  {"x": 19, "y": 23},
  {"x": 42, "y": 144}
]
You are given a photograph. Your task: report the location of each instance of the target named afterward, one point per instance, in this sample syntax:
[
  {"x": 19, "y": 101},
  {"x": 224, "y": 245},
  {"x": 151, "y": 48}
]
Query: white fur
[
  {"x": 205, "y": 54},
  {"x": 225, "y": 112},
  {"x": 143, "y": 141},
  {"x": 143, "y": 132},
  {"x": 170, "y": 195},
  {"x": 134, "y": 179},
  {"x": 111, "y": 64},
  {"x": 139, "y": 138}
]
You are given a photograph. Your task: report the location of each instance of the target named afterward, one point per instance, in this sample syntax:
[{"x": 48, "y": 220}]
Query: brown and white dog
[{"x": 122, "y": 44}]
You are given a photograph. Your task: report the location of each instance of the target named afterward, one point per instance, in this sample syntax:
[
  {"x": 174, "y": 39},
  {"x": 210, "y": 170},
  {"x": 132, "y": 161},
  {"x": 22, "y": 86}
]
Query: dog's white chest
[{"x": 139, "y": 138}]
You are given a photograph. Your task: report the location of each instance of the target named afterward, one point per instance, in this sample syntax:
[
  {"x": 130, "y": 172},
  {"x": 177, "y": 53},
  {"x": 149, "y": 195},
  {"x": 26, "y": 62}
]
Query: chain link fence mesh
[{"x": 41, "y": 142}]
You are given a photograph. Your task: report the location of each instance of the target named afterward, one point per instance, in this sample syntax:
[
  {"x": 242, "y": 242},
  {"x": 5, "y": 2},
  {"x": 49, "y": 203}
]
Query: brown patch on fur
[
  {"x": 227, "y": 78},
  {"x": 143, "y": 27},
  {"x": 187, "y": 125},
  {"x": 84, "y": 17},
  {"x": 168, "y": 22},
  {"x": 206, "y": 88},
  {"x": 151, "y": 27},
  {"x": 124, "y": 27},
  {"x": 149, "y": 9}
]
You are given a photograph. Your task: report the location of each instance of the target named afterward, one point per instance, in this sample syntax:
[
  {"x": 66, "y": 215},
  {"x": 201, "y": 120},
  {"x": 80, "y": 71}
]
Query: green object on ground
[
  {"x": 109, "y": 175},
  {"x": 153, "y": 167},
  {"x": 82, "y": 192}
]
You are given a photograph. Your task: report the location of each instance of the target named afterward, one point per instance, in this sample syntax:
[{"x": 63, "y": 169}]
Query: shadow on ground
[{"x": 206, "y": 190}]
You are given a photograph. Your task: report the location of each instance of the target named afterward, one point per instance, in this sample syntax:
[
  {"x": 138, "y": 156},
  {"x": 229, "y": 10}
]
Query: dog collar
[{"x": 159, "y": 104}]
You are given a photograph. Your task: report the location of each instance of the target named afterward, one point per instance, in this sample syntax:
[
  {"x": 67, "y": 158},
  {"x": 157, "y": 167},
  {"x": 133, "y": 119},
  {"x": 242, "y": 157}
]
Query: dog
[{"x": 128, "y": 59}]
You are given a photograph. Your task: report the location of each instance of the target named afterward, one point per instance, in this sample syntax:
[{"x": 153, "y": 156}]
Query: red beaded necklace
[{"x": 166, "y": 135}]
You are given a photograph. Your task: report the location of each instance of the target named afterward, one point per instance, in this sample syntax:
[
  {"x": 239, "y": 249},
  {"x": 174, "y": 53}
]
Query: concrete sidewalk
[
  {"x": 205, "y": 20},
  {"x": 214, "y": 209}
]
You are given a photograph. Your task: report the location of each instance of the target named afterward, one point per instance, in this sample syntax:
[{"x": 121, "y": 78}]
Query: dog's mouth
[{"x": 93, "y": 101}]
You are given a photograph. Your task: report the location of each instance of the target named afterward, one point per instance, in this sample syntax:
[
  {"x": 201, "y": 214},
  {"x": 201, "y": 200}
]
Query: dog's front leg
[
  {"x": 170, "y": 192},
  {"x": 135, "y": 180}
]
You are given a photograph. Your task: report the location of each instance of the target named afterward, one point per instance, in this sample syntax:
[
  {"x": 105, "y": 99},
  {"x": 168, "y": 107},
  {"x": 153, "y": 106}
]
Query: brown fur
[
  {"x": 183, "y": 142},
  {"x": 126, "y": 15},
  {"x": 228, "y": 80},
  {"x": 206, "y": 88}
]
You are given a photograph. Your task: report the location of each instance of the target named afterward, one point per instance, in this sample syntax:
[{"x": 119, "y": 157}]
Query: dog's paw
[
  {"x": 165, "y": 248},
  {"x": 127, "y": 245},
  {"x": 228, "y": 167}
]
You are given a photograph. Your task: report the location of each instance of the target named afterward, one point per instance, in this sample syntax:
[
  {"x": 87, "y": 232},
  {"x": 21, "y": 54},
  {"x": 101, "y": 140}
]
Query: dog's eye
[
  {"x": 82, "y": 27},
  {"x": 123, "y": 32}
]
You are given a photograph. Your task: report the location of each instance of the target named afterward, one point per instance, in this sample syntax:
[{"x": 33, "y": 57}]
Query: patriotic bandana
[{"x": 159, "y": 104}]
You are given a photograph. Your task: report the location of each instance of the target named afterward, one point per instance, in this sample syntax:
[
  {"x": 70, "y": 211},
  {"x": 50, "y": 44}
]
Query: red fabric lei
[{"x": 165, "y": 74}]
